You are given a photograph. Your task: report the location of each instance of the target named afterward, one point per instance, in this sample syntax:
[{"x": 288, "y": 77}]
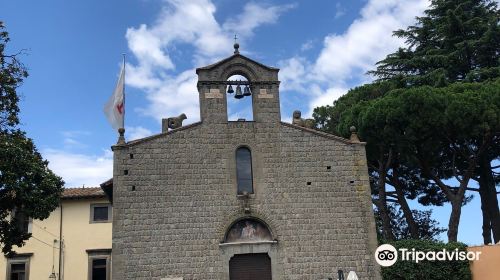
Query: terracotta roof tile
[{"x": 83, "y": 193}]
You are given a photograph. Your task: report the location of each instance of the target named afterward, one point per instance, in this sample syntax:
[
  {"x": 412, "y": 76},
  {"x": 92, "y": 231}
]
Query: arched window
[{"x": 244, "y": 170}]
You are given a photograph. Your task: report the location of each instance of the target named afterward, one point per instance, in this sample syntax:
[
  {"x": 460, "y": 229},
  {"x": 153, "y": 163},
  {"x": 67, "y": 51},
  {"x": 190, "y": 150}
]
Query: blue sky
[{"x": 73, "y": 54}]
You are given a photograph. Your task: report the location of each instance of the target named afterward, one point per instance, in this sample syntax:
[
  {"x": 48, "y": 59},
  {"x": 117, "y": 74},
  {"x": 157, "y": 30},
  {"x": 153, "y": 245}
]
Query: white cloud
[
  {"x": 292, "y": 74},
  {"x": 147, "y": 47},
  {"x": 176, "y": 95},
  {"x": 79, "y": 169},
  {"x": 170, "y": 91},
  {"x": 75, "y": 133},
  {"x": 72, "y": 143},
  {"x": 307, "y": 45},
  {"x": 322, "y": 98},
  {"x": 341, "y": 63},
  {"x": 346, "y": 57},
  {"x": 339, "y": 10},
  {"x": 193, "y": 23},
  {"x": 137, "y": 132},
  {"x": 180, "y": 21},
  {"x": 255, "y": 15},
  {"x": 367, "y": 40},
  {"x": 70, "y": 138}
]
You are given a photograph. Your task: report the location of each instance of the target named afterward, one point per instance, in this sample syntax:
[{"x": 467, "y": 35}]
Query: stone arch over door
[
  {"x": 249, "y": 241},
  {"x": 248, "y": 230}
]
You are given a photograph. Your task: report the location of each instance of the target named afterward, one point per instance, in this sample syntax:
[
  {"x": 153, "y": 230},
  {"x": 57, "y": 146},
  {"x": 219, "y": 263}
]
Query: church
[{"x": 261, "y": 199}]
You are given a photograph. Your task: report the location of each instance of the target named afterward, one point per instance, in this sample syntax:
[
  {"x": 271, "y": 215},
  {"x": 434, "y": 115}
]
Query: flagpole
[
  {"x": 123, "y": 120},
  {"x": 121, "y": 130}
]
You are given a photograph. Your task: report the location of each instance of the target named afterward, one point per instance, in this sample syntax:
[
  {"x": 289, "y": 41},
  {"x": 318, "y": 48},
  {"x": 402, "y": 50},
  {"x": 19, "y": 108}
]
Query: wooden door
[{"x": 250, "y": 267}]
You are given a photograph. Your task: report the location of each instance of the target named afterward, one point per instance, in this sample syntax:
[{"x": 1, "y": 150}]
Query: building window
[
  {"x": 18, "y": 268},
  {"x": 99, "y": 264},
  {"x": 100, "y": 213},
  {"x": 244, "y": 170},
  {"x": 23, "y": 222}
]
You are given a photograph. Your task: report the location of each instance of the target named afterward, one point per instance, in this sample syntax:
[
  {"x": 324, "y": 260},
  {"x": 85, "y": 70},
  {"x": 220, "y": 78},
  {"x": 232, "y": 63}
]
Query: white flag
[{"x": 115, "y": 107}]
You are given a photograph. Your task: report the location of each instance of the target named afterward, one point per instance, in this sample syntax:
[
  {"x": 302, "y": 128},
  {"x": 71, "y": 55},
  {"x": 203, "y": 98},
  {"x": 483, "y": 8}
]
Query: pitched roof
[
  {"x": 140, "y": 140},
  {"x": 73, "y": 193},
  {"x": 107, "y": 187},
  {"x": 321, "y": 133},
  {"x": 231, "y": 57}
]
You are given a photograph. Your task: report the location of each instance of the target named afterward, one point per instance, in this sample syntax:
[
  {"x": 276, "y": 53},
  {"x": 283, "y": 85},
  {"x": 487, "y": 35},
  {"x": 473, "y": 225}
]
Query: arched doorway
[
  {"x": 249, "y": 264},
  {"x": 250, "y": 267}
]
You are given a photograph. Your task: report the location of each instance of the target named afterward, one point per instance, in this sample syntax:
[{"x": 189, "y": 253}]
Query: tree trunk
[
  {"x": 382, "y": 198},
  {"x": 413, "y": 227},
  {"x": 494, "y": 213},
  {"x": 456, "y": 198},
  {"x": 484, "y": 209},
  {"x": 487, "y": 190},
  {"x": 456, "y": 211}
]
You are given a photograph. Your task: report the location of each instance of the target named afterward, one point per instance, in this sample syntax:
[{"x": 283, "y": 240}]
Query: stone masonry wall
[{"x": 172, "y": 209}]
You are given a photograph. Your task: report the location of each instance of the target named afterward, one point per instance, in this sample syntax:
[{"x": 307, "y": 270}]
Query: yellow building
[{"x": 82, "y": 225}]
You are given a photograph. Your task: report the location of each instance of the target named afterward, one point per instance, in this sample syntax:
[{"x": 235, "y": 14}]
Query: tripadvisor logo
[{"x": 387, "y": 255}]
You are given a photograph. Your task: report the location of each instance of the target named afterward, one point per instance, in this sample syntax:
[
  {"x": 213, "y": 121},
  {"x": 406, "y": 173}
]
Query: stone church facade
[{"x": 223, "y": 200}]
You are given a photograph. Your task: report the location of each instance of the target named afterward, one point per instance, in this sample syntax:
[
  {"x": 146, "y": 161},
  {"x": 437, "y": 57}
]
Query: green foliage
[
  {"x": 434, "y": 108},
  {"x": 455, "y": 40},
  {"x": 435, "y": 270},
  {"x": 428, "y": 228},
  {"x": 462, "y": 110},
  {"x": 434, "y": 130},
  {"x": 12, "y": 73},
  {"x": 27, "y": 185},
  {"x": 429, "y": 121},
  {"x": 328, "y": 117}
]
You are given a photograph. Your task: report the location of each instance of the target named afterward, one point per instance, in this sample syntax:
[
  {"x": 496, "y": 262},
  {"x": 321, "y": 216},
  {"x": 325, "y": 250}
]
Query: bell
[
  {"x": 238, "y": 94},
  {"x": 230, "y": 89},
  {"x": 246, "y": 91}
]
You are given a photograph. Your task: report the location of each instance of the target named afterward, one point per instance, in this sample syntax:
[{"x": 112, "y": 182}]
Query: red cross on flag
[{"x": 115, "y": 107}]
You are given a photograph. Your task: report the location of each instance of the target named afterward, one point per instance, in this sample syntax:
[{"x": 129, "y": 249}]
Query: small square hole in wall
[
  {"x": 308, "y": 183},
  {"x": 328, "y": 167},
  {"x": 352, "y": 181},
  {"x": 132, "y": 188},
  {"x": 125, "y": 172},
  {"x": 131, "y": 156}
]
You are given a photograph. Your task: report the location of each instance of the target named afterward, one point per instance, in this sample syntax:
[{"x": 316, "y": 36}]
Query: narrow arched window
[{"x": 244, "y": 170}]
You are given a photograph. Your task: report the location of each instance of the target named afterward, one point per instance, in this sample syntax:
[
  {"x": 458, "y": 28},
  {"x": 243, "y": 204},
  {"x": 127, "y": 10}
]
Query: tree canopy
[
  {"x": 28, "y": 188},
  {"x": 431, "y": 120},
  {"x": 455, "y": 40}
]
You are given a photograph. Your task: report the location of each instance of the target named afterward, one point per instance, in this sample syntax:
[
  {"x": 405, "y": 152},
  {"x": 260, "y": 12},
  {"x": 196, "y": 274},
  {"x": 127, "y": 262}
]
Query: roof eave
[
  {"x": 322, "y": 134},
  {"x": 208, "y": 67}
]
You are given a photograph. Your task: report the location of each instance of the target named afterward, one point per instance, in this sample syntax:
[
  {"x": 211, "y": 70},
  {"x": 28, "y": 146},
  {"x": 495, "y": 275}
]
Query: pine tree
[{"x": 454, "y": 41}]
